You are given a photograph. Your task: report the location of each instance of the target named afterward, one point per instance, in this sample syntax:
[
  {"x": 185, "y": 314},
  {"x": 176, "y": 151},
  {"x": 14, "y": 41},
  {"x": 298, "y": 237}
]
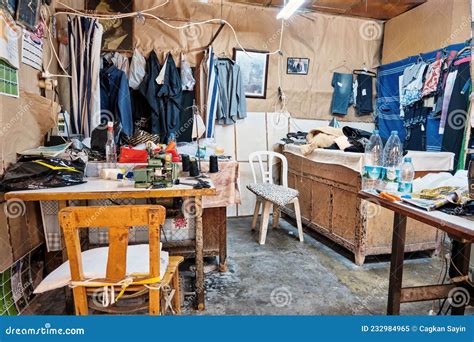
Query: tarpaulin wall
[{"x": 332, "y": 43}]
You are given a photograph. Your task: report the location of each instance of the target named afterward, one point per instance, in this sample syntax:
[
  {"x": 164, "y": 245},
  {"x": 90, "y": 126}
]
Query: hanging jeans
[{"x": 341, "y": 96}]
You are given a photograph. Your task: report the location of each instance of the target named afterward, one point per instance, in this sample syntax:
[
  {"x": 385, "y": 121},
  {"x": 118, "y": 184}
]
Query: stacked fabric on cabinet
[{"x": 422, "y": 95}]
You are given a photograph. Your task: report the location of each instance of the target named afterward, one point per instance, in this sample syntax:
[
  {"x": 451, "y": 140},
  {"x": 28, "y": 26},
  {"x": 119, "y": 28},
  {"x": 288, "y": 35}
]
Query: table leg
[
  {"x": 460, "y": 257},
  {"x": 396, "y": 264},
  {"x": 223, "y": 242},
  {"x": 199, "y": 254},
  {"x": 67, "y": 290}
]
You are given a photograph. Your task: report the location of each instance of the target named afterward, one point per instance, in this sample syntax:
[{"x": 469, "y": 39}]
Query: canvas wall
[
  {"x": 333, "y": 43},
  {"x": 428, "y": 27}
]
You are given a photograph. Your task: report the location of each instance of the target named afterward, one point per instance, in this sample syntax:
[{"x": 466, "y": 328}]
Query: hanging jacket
[
  {"x": 115, "y": 97},
  {"x": 169, "y": 98},
  {"x": 149, "y": 92},
  {"x": 232, "y": 102}
]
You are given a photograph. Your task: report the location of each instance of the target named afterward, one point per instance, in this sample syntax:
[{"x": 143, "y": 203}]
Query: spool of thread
[
  {"x": 213, "y": 164},
  {"x": 185, "y": 160},
  {"x": 193, "y": 168}
]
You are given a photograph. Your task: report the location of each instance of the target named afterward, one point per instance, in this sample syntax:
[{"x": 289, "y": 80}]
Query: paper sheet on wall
[
  {"x": 32, "y": 50},
  {"x": 9, "y": 36}
]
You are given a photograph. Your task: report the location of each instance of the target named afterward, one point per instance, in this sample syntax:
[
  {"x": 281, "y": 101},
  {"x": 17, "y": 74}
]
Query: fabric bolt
[
  {"x": 364, "y": 99},
  {"x": 412, "y": 84},
  {"x": 212, "y": 94},
  {"x": 232, "y": 104},
  {"x": 432, "y": 78},
  {"x": 169, "y": 96},
  {"x": 448, "y": 92},
  {"x": 115, "y": 97},
  {"x": 137, "y": 70},
  {"x": 341, "y": 97},
  {"x": 457, "y": 117}
]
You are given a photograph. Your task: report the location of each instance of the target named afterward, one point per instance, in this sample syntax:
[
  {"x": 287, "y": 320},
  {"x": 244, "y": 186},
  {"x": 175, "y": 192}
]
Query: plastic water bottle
[
  {"x": 110, "y": 148},
  {"x": 407, "y": 174},
  {"x": 372, "y": 162},
  {"x": 392, "y": 158}
]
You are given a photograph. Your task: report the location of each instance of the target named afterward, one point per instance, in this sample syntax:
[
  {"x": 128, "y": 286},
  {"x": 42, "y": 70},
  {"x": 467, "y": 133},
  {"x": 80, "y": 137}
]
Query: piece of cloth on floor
[{"x": 341, "y": 97}]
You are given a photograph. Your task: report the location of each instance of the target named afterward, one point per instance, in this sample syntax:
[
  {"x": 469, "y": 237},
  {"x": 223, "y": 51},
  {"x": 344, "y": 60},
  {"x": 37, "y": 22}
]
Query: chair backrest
[
  {"x": 267, "y": 172},
  {"x": 119, "y": 219}
]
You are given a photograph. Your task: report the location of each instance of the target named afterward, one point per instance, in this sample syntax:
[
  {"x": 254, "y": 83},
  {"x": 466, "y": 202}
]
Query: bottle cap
[
  {"x": 376, "y": 131},
  {"x": 407, "y": 159},
  {"x": 394, "y": 133}
]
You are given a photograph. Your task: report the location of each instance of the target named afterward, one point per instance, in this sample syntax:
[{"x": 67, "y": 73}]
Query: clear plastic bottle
[
  {"x": 392, "y": 158},
  {"x": 110, "y": 148},
  {"x": 407, "y": 174},
  {"x": 372, "y": 162}
]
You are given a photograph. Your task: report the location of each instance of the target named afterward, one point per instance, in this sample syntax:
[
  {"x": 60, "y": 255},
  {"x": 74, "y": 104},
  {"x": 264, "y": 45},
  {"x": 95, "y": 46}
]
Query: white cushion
[
  {"x": 274, "y": 193},
  {"x": 94, "y": 264}
]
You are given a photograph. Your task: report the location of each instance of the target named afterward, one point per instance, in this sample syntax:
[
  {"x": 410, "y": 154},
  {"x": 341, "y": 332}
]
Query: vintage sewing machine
[{"x": 159, "y": 173}]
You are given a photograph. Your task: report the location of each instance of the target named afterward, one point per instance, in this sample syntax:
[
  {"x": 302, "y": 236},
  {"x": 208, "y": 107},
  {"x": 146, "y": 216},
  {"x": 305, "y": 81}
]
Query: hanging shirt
[
  {"x": 432, "y": 78},
  {"x": 232, "y": 102},
  {"x": 137, "y": 70},
  {"x": 115, "y": 97},
  {"x": 412, "y": 84}
]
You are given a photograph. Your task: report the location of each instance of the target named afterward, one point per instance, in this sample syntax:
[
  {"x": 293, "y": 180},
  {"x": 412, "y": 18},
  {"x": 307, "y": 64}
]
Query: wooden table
[
  {"x": 460, "y": 229},
  {"x": 96, "y": 188}
]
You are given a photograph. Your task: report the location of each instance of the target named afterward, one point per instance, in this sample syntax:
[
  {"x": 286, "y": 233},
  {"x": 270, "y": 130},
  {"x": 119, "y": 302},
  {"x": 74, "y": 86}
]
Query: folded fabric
[
  {"x": 94, "y": 263},
  {"x": 320, "y": 138}
]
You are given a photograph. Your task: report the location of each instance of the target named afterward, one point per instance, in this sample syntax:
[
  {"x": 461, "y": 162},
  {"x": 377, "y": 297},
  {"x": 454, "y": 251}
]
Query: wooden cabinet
[{"x": 330, "y": 206}]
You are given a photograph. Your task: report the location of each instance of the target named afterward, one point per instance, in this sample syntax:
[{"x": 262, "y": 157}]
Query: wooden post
[
  {"x": 199, "y": 255},
  {"x": 396, "y": 264},
  {"x": 460, "y": 257}
]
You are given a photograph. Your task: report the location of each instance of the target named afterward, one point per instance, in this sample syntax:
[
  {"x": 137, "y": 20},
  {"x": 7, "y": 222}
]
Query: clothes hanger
[
  {"x": 469, "y": 47},
  {"x": 364, "y": 71}
]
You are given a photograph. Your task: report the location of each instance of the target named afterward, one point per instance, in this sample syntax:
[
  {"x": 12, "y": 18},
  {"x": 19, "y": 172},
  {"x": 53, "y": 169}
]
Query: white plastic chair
[{"x": 270, "y": 194}]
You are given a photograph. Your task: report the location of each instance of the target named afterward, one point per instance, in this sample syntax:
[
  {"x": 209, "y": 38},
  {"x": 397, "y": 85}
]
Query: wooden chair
[
  {"x": 119, "y": 219},
  {"x": 270, "y": 194}
]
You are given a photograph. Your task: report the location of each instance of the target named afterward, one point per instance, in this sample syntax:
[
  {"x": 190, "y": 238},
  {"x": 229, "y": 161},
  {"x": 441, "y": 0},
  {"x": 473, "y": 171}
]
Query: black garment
[
  {"x": 169, "y": 98},
  {"x": 457, "y": 113},
  {"x": 364, "y": 103},
  {"x": 149, "y": 91},
  {"x": 186, "y": 118},
  {"x": 358, "y": 138},
  {"x": 414, "y": 122}
]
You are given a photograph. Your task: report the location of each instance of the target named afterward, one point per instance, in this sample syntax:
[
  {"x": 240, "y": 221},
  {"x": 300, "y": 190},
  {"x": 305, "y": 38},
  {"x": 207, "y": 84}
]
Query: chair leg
[
  {"x": 154, "y": 302},
  {"x": 177, "y": 294},
  {"x": 298, "y": 218},
  {"x": 264, "y": 222},
  {"x": 80, "y": 301},
  {"x": 258, "y": 203},
  {"x": 276, "y": 216}
]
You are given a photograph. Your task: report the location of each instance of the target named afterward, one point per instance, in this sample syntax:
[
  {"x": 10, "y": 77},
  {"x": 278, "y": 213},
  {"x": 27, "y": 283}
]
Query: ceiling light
[{"x": 291, "y": 7}]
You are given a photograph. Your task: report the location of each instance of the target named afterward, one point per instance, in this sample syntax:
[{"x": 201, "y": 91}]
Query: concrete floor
[{"x": 287, "y": 277}]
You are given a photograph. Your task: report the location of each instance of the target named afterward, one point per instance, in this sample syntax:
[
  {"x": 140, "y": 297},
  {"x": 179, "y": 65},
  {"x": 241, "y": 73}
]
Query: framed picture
[
  {"x": 254, "y": 68},
  {"x": 118, "y": 33},
  {"x": 27, "y": 13},
  {"x": 10, "y": 6},
  {"x": 297, "y": 66}
]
